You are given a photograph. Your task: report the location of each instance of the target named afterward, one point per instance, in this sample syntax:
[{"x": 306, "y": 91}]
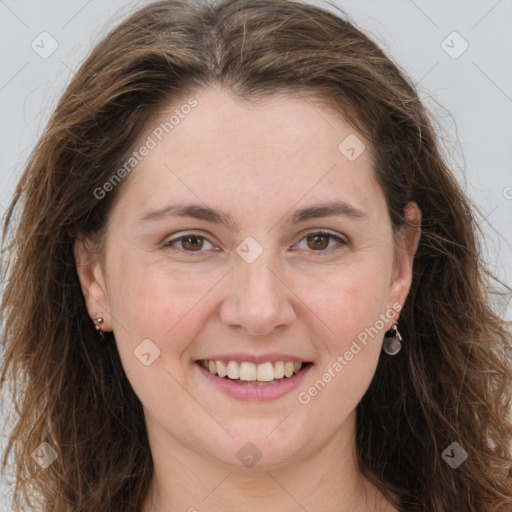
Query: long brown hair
[{"x": 450, "y": 383}]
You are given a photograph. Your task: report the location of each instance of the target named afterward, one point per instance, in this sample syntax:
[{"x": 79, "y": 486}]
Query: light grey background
[{"x": 470, "y": 96}]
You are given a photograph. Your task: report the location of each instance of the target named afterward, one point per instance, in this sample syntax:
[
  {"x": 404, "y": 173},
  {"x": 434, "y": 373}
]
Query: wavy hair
[{"x": 450, "y": 383}]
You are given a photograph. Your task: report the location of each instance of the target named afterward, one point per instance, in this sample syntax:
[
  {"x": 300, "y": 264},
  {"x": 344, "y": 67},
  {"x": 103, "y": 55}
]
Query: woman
[{"x": 243, "y": 278}]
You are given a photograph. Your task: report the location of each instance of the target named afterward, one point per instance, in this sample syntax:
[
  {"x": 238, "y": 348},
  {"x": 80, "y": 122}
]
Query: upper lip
[{"x": 256, "y": 359}]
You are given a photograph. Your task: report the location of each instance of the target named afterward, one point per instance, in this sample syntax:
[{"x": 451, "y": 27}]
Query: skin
[{"x": 258, "y": 163}]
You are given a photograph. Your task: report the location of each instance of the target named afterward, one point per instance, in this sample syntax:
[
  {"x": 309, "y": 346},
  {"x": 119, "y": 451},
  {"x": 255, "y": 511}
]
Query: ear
[
  {"x": 407, "y": 244},
  {"x": 92, "y": 282}
]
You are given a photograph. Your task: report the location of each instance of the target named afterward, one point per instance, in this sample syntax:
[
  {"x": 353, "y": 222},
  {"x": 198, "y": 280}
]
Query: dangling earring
[{"x": 392, "y": 341}]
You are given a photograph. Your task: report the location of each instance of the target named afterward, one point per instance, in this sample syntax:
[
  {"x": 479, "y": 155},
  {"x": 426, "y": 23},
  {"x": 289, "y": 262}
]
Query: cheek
[
  {"x": 353, "y": 310},
  {"x": 350, "y": 299},
  {"x": 156, "y": 299},
  {"x": 171, "y": 304},
  {"x": 152, "y": 300}
]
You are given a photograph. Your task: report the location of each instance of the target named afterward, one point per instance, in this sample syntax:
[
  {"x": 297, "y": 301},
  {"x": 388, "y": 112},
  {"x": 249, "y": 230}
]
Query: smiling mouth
[{"x": 247, "y": 373}]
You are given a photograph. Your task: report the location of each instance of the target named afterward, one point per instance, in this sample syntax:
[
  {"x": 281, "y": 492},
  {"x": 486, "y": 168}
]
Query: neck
[{"x": 323, "y": 479}]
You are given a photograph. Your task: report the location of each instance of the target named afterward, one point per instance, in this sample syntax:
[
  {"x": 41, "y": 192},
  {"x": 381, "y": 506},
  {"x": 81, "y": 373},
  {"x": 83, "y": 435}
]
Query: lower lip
[{"x": 255, "y": 393}]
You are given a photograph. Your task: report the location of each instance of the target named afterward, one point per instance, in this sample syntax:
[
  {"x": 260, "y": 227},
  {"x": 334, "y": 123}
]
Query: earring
[
  {"x": 392, "y": 341},
  {"x": 99, "y": 321}
]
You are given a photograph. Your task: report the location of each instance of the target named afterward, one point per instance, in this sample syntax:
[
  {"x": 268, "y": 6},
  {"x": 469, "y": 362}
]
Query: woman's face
[{"x": 249, "y": 234}]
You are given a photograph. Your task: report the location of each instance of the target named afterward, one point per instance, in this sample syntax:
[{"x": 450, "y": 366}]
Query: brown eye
[
  {"x": 192, "y": 242},
  {"x": 189, "y": 243},
  {"x": 321, "y": 242},
  {"x": 318, "y": 241}
]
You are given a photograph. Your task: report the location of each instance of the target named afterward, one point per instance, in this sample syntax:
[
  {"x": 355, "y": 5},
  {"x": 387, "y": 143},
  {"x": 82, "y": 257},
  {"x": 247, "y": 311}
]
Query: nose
[{"x": 258, "y": 301}]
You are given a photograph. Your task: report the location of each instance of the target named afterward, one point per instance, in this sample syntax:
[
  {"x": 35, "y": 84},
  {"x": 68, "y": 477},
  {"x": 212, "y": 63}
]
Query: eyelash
[{"x": 168, "y": 244}]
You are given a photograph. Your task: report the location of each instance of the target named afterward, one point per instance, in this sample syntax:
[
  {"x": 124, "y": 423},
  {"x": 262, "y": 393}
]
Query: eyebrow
[{"x": 335, "y": 208}]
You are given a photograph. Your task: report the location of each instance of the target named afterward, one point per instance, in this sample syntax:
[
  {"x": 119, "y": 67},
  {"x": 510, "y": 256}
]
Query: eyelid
[
  {"x": 166, "y": 244},
  {"x": 341, "y": 239},
  {"x": 321, "y": 231}
]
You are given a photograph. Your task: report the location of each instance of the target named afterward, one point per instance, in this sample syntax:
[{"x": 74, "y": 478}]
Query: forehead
[{"x": 280, "y": 149}]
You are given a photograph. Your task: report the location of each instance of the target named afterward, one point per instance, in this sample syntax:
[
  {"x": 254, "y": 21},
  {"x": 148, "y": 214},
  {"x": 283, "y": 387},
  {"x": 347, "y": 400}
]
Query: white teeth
[
  {"x": 265, "y": 372},
  {"x": 221, "y": 369},
  {"x": 288, "y": 369},
  {"x": 233, "y": 370},
  {"x": 212, "y": 366},
  {"x": 247, "y": 371},
  {"x": 279, "y": 370}
]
